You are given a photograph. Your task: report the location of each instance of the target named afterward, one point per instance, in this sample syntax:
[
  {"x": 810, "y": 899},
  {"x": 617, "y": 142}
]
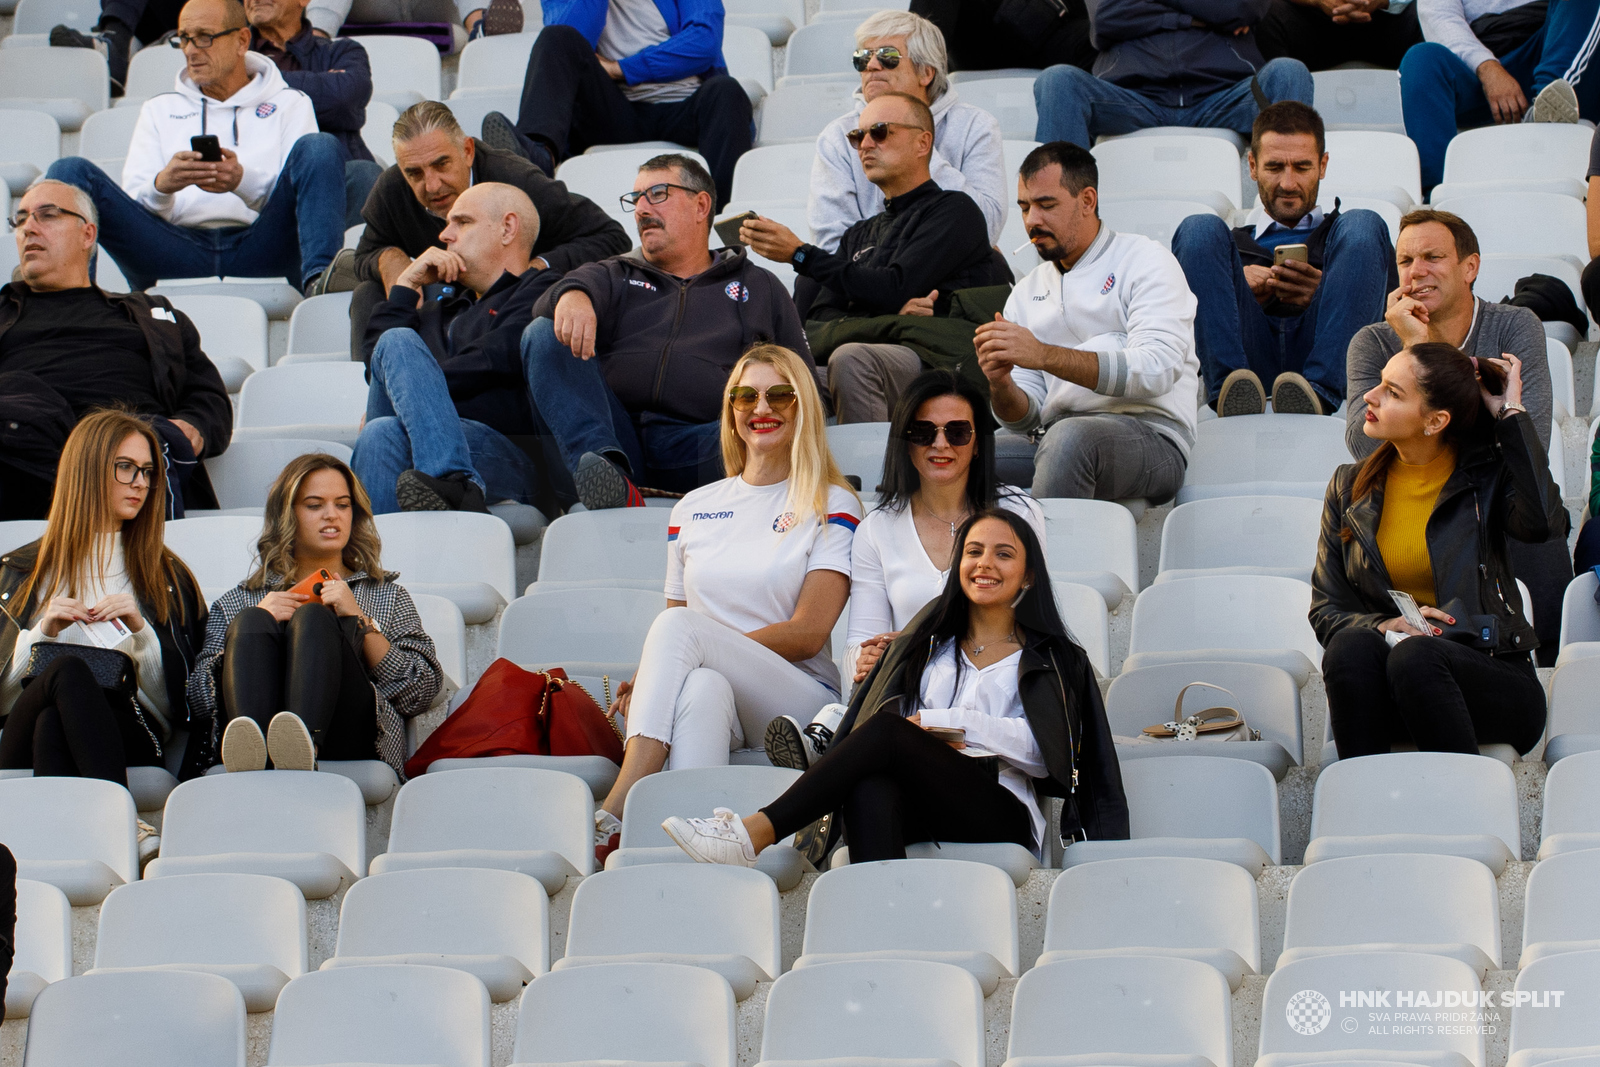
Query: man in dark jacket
[
  {"x": 334, "y": 74},
  {"x": 667, "y": 322},
  {"x": 448, "y": 395},
  {"x": 1167, "y": 63},
  {"x": 1287, "y": 322},
  {"x": 67, "y": 347},
  {"x": 906, "y": 260},
  {"x": 435, "y": 162}
]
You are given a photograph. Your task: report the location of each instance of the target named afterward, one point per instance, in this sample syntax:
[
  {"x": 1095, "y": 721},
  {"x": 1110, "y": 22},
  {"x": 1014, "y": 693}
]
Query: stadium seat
[
  {"x": 775, "y": 18},
  {"x": 479, "y": 573},
  {"x": 442, "y": 621},
  {"x": 69, "y": 84},
  {"x": 322, "y": 323},
  {"x": 1175, "y": 167},
  {"x": 42, "y": 948},
  {"x": 627, "y": 1014},
  {"x": 1561, "y": 384},
  {"x": 1275, "y": 535},
  {"x": 1300, "y": 1029},
  {"x": 151, "y": 72},
  {"x": 32, "y": 141},
  {"x": 1516, "y": 158},
  {"x": 585, "y": 625},
  {"x": 799, "y": 112},
  {"x": 247, "y": 928},
  {"x": 774, "y": 174},
  {"x": 1084, "y": 611},
  {"x": 537, "y": 822},
  {"x": 605, "y": 176},
  {"x": 405, "y": 70},
  {"x": 1129, "y": 1011},
  {"x": 1571, "y": 794},
  {"x": 1580, "y": 617},
  {"x": 1249, "y": 617},
  {"x": 1237, "y": 822},
  {"x": 1249, "y": 455},
  {"x": 748, "y": 52},
  {"x": 1573, "y": 725},
  {"x": 106, "y": 135},
  {"x": 382, "y": 1014},
  {"x": 233, "y": 333},
  {"x": 1557, "y": 459},
  {"x": 273, "y": 402},
  {"x": 1266, "y": 696},
  {"x": 821, "y": 48},
  {"x": 377, "y": 133},
  {"x": 490, "y": 923},
  {"x": 870, "y": 1009},
  {"x": 1359, "y": 100},
  {"x": 18, "y": 532},
  {"x": 494, "y": 63},
  {"x": 724, "y": 919},
  {"x": 173, "y": 1019},
  {"x": 620, "y": 548},
  {"x": 1155, "y": 219},
  {"x": 1558, "y": 912},
  {"x": 1373, "y": 163},
  {"x": 1443, "y": 803},
  {"x": 858, "y": 448},
  {"x": 1009, "y": 100},
  {"x": 1093, "y": 543},
  {"x": 77, "y": 834},
  {"x": 1185, "y": 907},
  {"x": 693, "y": 794},
  {"x": 1538, "y": 224},
  {"x": 275, "y": 295},
  {"x": 1555, "y": 1010},
  {"x": 242, "y": 475},
  {"x": 38, "y": 16},
  {"x": 307, "y": 827},
  {"x": 470, "y": 108},
  {"x": 1388, "y": 210},
  {"x": 219, "y": 549}
]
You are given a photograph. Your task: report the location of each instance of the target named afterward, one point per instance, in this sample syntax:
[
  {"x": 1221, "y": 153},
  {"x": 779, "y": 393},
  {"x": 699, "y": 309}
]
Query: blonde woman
[
  {"x": 758, "y": 569},
  {"x": 101, "y": 559},
  {"x": 330, "y": 673}
]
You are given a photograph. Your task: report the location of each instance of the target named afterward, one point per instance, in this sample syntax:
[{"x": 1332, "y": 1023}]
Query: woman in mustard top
[{"x": 1459, "y": 471}]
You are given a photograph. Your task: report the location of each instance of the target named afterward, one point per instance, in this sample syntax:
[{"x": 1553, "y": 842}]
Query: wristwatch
[
  {"x": 799, "y": 257},
  {"x": 365, "y": 625},
  {"x": 1508, "y": 408}
]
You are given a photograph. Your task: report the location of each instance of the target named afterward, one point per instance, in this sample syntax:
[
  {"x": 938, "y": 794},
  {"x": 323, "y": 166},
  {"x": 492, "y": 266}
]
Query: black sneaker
[
  {"x": 602, "y": 485},
  {"x": 786, "y": 745},
  {"x": 108, "y": 43},
  {"x": 1241, "y": 394},
  {"x": 500, "y": 133},
  {"x": 416, "y": 491}
]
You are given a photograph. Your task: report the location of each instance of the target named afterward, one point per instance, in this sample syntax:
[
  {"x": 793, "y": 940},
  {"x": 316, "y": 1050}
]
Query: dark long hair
[{"x": 900, "y": 478}]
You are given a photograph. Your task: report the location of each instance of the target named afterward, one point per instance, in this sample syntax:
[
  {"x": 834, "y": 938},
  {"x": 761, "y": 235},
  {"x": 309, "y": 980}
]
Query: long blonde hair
[
  {"x": 811, "y": 466},
  {"x": 80, "y": 512},
  {"x": 275, "y": 549}
]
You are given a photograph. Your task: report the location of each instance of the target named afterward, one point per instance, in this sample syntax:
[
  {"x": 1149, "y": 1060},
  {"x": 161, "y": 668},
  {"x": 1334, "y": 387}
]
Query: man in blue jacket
[
  {"x": 1167, "y": 63},
  {"x": 334, "y": 74},
  {"x": 618, "y": 71}
]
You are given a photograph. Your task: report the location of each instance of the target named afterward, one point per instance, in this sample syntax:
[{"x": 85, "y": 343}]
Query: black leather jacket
[{"x": 1501, "y": 488}]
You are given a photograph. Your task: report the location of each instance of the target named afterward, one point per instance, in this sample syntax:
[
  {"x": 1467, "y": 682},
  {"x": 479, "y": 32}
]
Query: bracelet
[{"x": 1508, "y": 408}]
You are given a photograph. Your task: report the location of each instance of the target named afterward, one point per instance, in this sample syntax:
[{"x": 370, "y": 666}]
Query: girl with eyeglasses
[
  {"x": 758, "y": 570},
  {"x": 101, "y": 559}
]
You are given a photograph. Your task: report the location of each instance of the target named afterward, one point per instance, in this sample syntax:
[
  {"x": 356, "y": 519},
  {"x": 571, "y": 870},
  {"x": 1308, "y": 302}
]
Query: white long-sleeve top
[
  {"x": 1449, "y": 22},
  {"x": 144, "y": 647},
  {"x": 986, "y": 704}
]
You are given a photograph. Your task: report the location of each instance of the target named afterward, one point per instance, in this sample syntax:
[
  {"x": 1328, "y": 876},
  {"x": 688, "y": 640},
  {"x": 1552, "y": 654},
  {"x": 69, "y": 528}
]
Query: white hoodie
[{"x": 260, "y": 122}]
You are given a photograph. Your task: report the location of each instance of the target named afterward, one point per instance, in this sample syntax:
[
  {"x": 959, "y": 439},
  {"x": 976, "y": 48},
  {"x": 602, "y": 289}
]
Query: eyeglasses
[
  {"x": 656, "y": 194},
  {"x": 923, "y": 433},
  {"x": 127, "y": 472},
  {"x": 201, "y": 41},
  {"x": 779, "y": 397},
  {"x": 888, "y": 56},
  {"x": 878, "y": 131},
  {"x": 43, "y": 213}
]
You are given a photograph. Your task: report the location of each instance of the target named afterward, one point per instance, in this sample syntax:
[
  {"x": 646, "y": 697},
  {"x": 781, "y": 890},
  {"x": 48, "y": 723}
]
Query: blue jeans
[
  {"x": 1440, "y": 96},
  {"x": 360, "y": 175},
  {"x": 1232, "y": 331},
  {"x": 572, "y": 400},
  {"x": 1076, "y": 106},
  {"x": 412, "y": 424},
  {"x": 296, "y": 234}
]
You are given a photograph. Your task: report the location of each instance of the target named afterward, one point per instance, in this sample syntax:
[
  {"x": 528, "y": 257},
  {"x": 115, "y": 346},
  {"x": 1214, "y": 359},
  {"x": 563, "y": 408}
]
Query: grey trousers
[
  {"x": 1102, "y": 457},
  {"x": 866, "y": 380}
]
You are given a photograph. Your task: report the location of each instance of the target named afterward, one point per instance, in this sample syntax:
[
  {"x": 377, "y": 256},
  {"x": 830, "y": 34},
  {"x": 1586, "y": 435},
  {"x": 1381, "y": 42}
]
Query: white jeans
[{"x": 703, "y": 689}]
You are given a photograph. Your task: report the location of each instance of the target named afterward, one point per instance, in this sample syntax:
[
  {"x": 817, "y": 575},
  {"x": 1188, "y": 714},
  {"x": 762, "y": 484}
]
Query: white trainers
[
  {"x": 719, "y": 839},
  {"x": 790, "y": 745},
  {"x": 149, "y": 842},
  {"x": 243, "y": 747},
  {"x": 289, "y": 743},
  {"x": 605, "y": 824},
  {"x": 1556, "y": 102}
]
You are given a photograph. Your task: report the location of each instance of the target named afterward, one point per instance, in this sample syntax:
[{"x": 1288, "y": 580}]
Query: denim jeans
[
  {"x": 412, "y": 424},
  {"x": 1076, "y": 106},
  {"x": 360, "y": 175},
  {"x": 1094, "y": 457},
  {"x": 1232, "y": 331},
  {"x": 572, "y": 400},
  {"x": 296, "y": 234}
]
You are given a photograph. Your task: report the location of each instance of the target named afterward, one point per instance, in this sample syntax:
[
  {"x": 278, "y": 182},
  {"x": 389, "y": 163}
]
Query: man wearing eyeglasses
[
  {"x": 271, "y": 205},
  {"x": 67, "y": 347}
]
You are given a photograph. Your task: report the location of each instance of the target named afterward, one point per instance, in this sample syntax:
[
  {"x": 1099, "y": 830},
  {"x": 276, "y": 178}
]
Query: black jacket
[
  {"x": 1154, "y": 47},
  {"x": 336, "y": 76},
  {"x": 1501, "y": 488},
  {"x": 666, "y": 344},
  {"x": 926, "y": 239},
  {"x": 572, "y": 228},
  {"x": 1061, "y": 700},
  {"x": 1316, "y": 242}
]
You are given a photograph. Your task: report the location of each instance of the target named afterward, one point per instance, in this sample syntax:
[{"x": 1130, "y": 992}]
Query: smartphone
[
  {"x": 208, "y": 146},
  {"x": 311, "y": 585},
  {"x": 728, "y": 229},
  {"x": 1410, "y": 612},
  {"x": 1288, "y": 252}
]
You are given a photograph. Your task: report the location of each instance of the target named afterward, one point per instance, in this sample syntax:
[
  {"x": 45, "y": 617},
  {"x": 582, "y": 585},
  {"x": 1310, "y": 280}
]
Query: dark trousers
[
  {"x": 1545, "y": 569},
  {"x": 8, "y": 920},
  {"x": 25, "y": 495},
  {"x": 895, "y": 783},
  {"x": 570, "y": 103},
  {"x": 1586, "y": 555},
  {"x": 977, "y": 42},
  {"x": 1591, "y": 287},
  {"x": 1438, "y": 694},
  {"x": 1305, "y": 33},
  {"x": 63, "y": 726},
  {"x": 308, "y": 665},
  {"x": 148, "y": 19}
]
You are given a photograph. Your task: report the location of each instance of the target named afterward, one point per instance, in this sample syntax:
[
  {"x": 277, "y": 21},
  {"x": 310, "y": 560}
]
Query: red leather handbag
[{"x": 514, "y": 712}]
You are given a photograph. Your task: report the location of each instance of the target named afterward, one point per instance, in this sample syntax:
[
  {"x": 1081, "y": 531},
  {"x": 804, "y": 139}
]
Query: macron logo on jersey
[
  {"x": 845, "y": 519},
  {"x": 712, "y": 515},
  {"x": 641, "y": 284}
]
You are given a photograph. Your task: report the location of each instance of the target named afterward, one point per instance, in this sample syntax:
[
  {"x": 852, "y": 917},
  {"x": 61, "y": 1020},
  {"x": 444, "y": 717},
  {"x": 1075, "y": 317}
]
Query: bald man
[
  {"x": 449, "y": 426},
  {"x": 271, "y": 201}
]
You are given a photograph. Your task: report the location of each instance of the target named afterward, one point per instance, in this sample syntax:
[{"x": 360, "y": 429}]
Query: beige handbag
[{"x": 1223, "y": 723}]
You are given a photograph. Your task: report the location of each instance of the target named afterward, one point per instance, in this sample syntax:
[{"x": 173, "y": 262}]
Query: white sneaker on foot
[
  {"x": 243, "y": 747},
  {"x": 289, "y": 743},
  {"x": 1556, "y": 102},
  {"x": 719, "y": 839},
  {"x": 149, "y": 842}
]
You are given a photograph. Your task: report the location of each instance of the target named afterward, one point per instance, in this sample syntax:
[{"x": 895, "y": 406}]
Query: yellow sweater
[{"x": 1409, "y": 493}]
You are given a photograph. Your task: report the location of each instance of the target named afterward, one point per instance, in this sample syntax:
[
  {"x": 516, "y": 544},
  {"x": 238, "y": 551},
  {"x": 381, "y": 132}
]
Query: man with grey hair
[
  {"x": 67, "y": 347},
  {"x": 898, "y": 52}
]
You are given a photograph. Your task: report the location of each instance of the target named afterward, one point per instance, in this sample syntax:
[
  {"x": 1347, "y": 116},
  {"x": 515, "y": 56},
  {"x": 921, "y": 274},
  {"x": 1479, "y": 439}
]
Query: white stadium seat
[
  {"x": 858, "y": 448},
  {"x": 279, "y": 399},
  {"x": 1558, "y": 913},
  {"x": 775, "y": 18},
  {"x": 821, "y": 48},
  {"x": 1580, "y": 618},
  {"x": 1251, "y": 617},
  {"x": 748, "y": 53},
  {"x": 1009, "y": 100},
  {"x": 1083, "y": 609},
  {"x": 1249, "y": 455},
  {"x": 377, "y": 133},
  {"x": 219, "y": 549},
  {"x": 382, "y": 1014},
  {"x": 798, "y": 113},
  {"x": 1155, "y": 219},
  {"x": 1093, "y": 543},
  {"x": 479, "y": 573},
  {"x": 42, "y": 947},
  {"x": 1555, "y": 1010},
  {"x": 1373, "y": 163},
  {"x": 442, "y": 621},
  {"x": 619, "y": 547},
  {"x": 107, "y": 134},
  {"x": 1561, "y": 384},
  {"x": 604, "y": 176},
  {"x": 587, "y": 625},
  {"x": 151, "y": 72},
  {"x": 1359, "y": 100},
  {"x": 32, "y": 141},
  {"x": 75, "y": 833},
  {"x": 1175, "y": 167},
  {"x": 1274, "y": 535},
  {"x": 405, "y": 70},
  {"x": 774, "y": 173},
  {"x": 1573, "y": 725},
  {"x": 18, "y": 532},
  {"x": 1541, "y": 224},
  {"x": 70, "y": 84},
  {"x": 322, "y": 324},
  {"x": 1519, "y": 157},
  {"x": 233, "y": 333},
  {"x": 470, "y": 107},
  {"x": 38, "y": 16},
  {"x": 1571, "y": 819},
  {"x": 172, "y": 1019},
  {"x": 494, "y": 62}
]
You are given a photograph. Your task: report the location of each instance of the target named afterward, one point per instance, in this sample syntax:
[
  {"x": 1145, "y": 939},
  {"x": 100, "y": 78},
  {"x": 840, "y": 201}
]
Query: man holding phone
[{"x": 1281, "y": 296}]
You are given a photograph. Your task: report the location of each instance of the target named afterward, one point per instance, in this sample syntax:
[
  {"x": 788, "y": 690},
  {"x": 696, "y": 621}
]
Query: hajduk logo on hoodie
[
  {"x": 1111, "y": 283},
  {"x": 263, "y": 110},
  {"x": 737, "y": 292}
]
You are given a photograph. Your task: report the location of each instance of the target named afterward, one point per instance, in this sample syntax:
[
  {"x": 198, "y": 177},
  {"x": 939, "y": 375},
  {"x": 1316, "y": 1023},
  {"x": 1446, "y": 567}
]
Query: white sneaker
[
  {"x": 605, "y": 824},
  {"x": 149, "y": 842},
  {"x": 289, "y": 743},
  {"x": 243, "y": 747},
  {"x": 719, "y": 839},
  {"x": 1556, "y": 102}
]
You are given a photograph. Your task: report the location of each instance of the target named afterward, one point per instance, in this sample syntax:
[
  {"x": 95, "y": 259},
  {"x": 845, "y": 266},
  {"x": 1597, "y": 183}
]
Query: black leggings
[
  {"x": 308, "y": 665},
  {"x": 896, "y": 783},
  {"x": 64, "y": 726},
  {"x": 1438, "y": 694}
]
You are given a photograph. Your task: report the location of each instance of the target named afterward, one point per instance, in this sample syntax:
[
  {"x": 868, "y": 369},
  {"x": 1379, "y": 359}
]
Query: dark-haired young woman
[
  {"x": 990, "y": 657},
  {"x": 1459, "y": 471}
]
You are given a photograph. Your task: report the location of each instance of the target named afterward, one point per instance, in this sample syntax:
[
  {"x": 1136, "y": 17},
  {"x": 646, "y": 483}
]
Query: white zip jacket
[
  {"x": 1126, "y": 300},
  {"x": 260, "y": 122}
]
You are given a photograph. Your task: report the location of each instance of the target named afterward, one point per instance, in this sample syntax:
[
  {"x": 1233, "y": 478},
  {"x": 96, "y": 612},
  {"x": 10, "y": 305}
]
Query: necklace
[
  {"x": 952, "y": 522},
  {"x": 1008, "y": 639}
]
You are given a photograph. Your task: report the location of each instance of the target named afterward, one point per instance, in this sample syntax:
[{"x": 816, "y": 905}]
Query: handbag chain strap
[{"x": 551, "y": 681}]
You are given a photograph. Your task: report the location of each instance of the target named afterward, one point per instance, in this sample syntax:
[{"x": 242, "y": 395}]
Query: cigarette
[{"x": 1026, "y": 244}]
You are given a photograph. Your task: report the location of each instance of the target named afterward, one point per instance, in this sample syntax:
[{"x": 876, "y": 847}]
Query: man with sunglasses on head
[
  {"x": 67, "y": 347},
  {"x": 272, "y": 205},
  {"x": 627, "y": 358}
]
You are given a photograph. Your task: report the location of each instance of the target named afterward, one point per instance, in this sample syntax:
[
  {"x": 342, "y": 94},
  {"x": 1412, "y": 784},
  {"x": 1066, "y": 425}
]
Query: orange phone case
[{"x": 308, "y": 584}]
